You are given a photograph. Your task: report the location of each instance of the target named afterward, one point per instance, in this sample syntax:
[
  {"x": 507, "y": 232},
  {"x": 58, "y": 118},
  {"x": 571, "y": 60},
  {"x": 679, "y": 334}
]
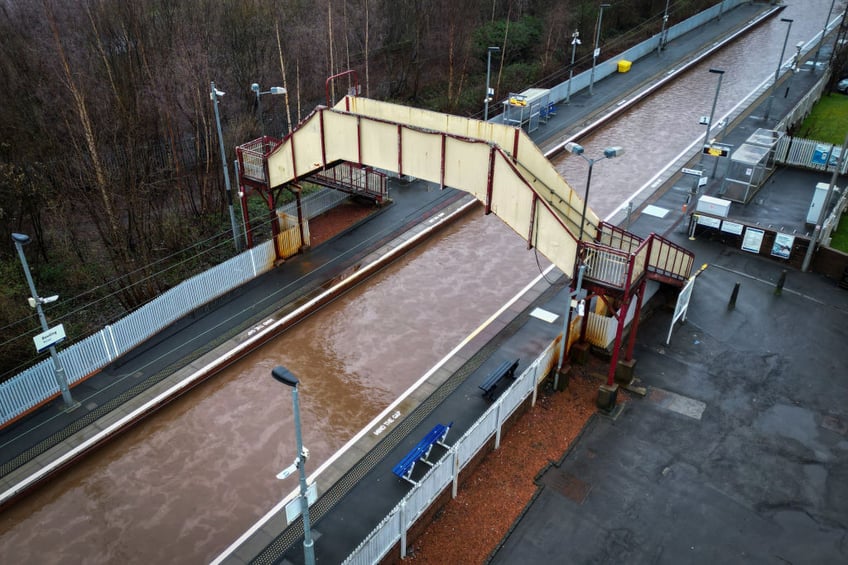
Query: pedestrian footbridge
[{"x": 500, "y": 165}]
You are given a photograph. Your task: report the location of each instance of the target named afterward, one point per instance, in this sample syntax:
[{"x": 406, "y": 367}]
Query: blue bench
[
  {"x": 421, "y": 452},
  {"x": 490, "y": 385}
]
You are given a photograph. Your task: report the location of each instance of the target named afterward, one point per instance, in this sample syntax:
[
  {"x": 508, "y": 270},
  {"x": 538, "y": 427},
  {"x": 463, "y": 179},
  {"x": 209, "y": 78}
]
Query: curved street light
[{"x": 259, "y": 93}]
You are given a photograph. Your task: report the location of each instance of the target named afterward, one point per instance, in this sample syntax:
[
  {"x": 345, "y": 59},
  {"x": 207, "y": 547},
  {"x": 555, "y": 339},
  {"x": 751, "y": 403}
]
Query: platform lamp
[
  {"x": 489, "y": 91},
  {"x": 597, "y": 50},
  {"x": 824, "y": 32},
  {"x": 36, "y": 301},
  {"x": 575, "y": 41},
  {"x": 259, "y": 93},
  {"x": 661, "y": 42},
  {"x": 577, "y": 149},
  {"x": 777, "y": 70},
  {"x": 720, "y": 74},
  {"x": 286, "y": 377},
  {"x": 215, "y": 96}
]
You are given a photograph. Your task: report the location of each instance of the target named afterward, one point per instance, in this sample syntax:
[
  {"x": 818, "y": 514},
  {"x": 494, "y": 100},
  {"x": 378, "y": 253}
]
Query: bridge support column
[
  {"x": 298, "y": 197},
  {"x": 624, "y": 370},
  {"x": 607, "y": 396}
]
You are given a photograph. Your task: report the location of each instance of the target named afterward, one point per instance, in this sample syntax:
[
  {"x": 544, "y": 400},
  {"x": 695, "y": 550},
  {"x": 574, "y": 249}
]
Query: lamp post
[
  {"x": 824, "y": 32},
  {"x": 720, "y": 74},
  {"x": 661, "y": 44},
  {"x": 575, "y": 41},
  {"x": 577, "y": 149},
  {"x": 796, "y": 59},
  {"x": 214, "y": 95},
  {"x": 273, "y": 90},
  {"x": 566, "y": 320},
  {"x": 777, "y": 70},
  {"x": 36, "y": 302},
  {"x": 286, "y": 377},
  {"x": 597, "y": 50},
  {"x": 489, "y": 92},
  {"x": 811, "y": 246}
]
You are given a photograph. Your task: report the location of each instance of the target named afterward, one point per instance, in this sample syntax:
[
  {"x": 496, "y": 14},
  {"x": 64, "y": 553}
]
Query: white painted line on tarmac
[{"x": 768, "y": 283}]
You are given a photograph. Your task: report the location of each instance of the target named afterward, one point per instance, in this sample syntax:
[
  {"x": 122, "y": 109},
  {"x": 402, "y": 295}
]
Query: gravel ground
[{"x": 472, "y": 525}]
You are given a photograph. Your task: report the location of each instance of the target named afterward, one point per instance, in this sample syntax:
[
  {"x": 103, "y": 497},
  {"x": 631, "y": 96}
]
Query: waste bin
[{"x": 624, "y": 66}]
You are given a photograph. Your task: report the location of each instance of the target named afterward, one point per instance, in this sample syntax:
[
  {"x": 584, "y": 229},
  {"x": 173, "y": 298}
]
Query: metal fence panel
[
  {"x": 477, "y": 436},
  {"x": 27, "y": 389},
  {"x": 513, "y": 397},
  {"x": 316, "y": 203},
  {"x": 379, "y": 541},
  {"x": 84, "y": 357},
  {"x": 37, "y": 383}
]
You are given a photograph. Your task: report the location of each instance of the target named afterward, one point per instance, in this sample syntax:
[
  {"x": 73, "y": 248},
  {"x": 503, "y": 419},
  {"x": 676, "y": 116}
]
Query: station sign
[
  {"x": 293, "y": 507},
  {"x": 52, "y": 336},
  {"x": 716, "y": 150}
]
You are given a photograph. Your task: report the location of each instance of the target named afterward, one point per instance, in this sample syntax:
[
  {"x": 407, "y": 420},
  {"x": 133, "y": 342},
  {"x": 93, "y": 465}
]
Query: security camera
[{"x": 50, "y": 299}]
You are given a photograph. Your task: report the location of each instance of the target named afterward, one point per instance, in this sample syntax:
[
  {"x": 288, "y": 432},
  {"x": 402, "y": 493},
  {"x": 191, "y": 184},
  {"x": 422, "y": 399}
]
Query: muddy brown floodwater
[{"x": 181, "y": 486}]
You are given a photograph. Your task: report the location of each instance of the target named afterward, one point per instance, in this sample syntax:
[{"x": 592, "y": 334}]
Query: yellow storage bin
[{"x": 624, "y": 66}]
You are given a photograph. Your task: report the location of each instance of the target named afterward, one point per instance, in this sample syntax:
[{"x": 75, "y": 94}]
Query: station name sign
[{"x": 52, "y": 336}]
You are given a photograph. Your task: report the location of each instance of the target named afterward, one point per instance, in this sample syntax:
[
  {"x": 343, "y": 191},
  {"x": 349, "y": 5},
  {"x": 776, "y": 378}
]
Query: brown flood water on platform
[{"x": 184, "y": 484}]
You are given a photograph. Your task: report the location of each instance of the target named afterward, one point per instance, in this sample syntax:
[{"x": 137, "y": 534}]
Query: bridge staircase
[{"x": 617, "y": 265}]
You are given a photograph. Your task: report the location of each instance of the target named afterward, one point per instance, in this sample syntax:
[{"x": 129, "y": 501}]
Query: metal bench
[
  {"x": 421, "y": 452},
  {"x": 490, "y": 385}
]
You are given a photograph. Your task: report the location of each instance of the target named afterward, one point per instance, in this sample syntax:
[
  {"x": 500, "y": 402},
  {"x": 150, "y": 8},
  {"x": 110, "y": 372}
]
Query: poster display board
[
  {"x": 732, "y": 227},
  {"x": 782, "y": 246},
  {"x": 753, "y": 240}
]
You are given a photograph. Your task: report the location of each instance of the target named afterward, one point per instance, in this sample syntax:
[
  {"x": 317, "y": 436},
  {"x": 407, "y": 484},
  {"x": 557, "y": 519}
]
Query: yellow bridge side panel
[
  {"x": 422, "y": 154},
  {"x": 467, "y": 166},
  {"x": 435, "y": 121},
  {"x": 512, "y": 200},
  {"x": 280, "y": 167},
  {"x": 379, "y": 144},
  {"x": 545, "y": 178},
  {"x": 340, "y": 131},
  {"x": 554, "y": 243},
  {"x": 538, "y": 166},
  {"x": 670, "y": 258}
]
